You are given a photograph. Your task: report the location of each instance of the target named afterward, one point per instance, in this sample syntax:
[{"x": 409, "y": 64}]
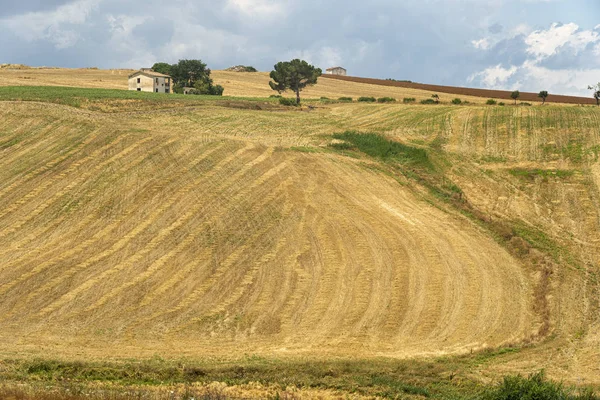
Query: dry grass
[{"x": 215, "y": 231}]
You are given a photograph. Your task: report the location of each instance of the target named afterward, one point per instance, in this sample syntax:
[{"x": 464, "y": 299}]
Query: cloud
[
  {"x": 58, "y": 26},
  {"x": 545, "y": 43},
  {"x": 483, "y": 44},
  {"x": 494, "y": 77},
  {"x": 557, "y": 59},
  {"x": 495, "y": 29}
]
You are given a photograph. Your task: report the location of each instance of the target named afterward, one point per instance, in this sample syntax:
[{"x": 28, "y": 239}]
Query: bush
[
  {"x": 367, "y": 99},
  {"x": 428, "y": 101},
  {"x": 284, "y": 101},
  {"x": 206, "y": 87},
  {"x": 386, "y": 100},
  {"x": 491, "y": 102},
  {"x": 324, "y": 98},
  {"x": 525, "y": 104},
  {"x": 275, "y": 96},
  {"x": 409, "y": 100},
  {"x": 501, "y": 104},
  {"x": 345, "y": 99},
  {"x": 534, "y": 387},
  {"x": 456, "y": 101}
]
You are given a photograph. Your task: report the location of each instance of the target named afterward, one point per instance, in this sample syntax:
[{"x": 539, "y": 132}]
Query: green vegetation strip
[
  {"x": 75, "y": 96},
  {"x": 443, "y": 378}
]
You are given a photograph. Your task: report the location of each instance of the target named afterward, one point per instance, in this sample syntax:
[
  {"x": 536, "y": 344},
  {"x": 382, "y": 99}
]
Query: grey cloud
[
  {"x": 495, "y": 29},
  {"x": 11, "y": 7}
]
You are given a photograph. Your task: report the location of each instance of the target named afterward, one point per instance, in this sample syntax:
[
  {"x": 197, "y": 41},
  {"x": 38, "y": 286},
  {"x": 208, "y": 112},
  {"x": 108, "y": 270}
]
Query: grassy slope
[{"x": 45, "y": 188}]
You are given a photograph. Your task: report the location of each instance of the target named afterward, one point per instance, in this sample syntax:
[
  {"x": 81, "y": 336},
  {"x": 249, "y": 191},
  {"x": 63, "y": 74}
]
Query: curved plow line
[
  {"x": 249, "y": 276},
  {"x": 222, "y": 270},
  {"x": 72, "y": 168},
  {"x": 81, "y": 178},
  {"x": 173, "y": 280},
  {"x": 125, "y": 240},
  {"x": 159, "y": 238},
  {"x": 48, "y": 166},
  {"x": 117, "y": 246},
  {"x": 62, "y": 256},
  {"x": 55, "y": 222},
  {"x": 40, "y": 140},
  {"x": 220, "y": 274}
]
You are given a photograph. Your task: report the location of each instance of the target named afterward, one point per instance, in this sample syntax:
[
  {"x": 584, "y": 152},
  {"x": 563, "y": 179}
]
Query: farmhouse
[
  {"x": 146, "y": 80},
  {"x": 336, "y": 71}
]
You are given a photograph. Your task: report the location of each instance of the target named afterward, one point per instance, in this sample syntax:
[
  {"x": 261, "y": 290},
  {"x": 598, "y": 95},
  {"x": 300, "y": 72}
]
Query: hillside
[{"x": 199, "y": 227}]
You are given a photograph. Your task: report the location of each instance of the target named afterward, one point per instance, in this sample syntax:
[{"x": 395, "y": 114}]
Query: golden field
[{"x": 222, "y": 229}]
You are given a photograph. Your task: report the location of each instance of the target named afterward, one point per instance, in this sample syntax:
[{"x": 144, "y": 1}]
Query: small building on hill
[
  {"x": 336, "y": 71},
  {"x": 146, "y": 80}
]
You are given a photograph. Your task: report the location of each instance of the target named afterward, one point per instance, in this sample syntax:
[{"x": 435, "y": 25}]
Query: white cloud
[
  {"x": 482, "y": 44},
  {"x": 547, "y": 43},
  {"x": 258, "y": 8},
  {"x": 494, "y": 77},
  {"x": 54, "y": 26}
]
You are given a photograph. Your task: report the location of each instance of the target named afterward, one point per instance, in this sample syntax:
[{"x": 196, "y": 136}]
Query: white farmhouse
[
  {"x": 336, "y": 71},
  {"x": 146, "y": 80}
]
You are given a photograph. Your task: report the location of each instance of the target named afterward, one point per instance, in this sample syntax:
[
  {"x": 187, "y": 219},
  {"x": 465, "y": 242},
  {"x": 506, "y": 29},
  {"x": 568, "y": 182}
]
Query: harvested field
[{"x": 213, "y": 229}]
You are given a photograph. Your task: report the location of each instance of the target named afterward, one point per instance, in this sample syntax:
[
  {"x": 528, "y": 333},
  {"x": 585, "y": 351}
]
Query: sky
[{"x": 527, "y": 45}]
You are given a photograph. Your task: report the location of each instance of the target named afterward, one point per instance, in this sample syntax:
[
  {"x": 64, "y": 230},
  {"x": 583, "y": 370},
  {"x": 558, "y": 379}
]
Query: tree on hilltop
[
  {"x": 596, "y": 89},
  {"x": 162, "y": 68},
  {"x": 515, "y": 95},
  {"x": 294, "y": 75},
  {"x": 190, "y": 73},
  {"x": 543, "y": 95}
]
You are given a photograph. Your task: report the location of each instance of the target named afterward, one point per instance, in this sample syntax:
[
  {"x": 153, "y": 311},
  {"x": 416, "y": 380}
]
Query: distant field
[
  {"x": 462, "y": 91},
  {"x": 237, "y": 84},
  {"x": 194, "y": 230}
]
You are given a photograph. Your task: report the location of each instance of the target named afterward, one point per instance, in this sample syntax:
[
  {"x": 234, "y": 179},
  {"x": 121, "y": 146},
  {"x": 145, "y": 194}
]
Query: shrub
[
  {"x": 324, "y": 98},
  {"x": 409, "y": 100},
  {"x": 367, "y": 99},
  {"x": 275, "y": 96},
  {"x": 428, "y": 101},
  {"x": 386, "y": 100},
  {"x": 501, "y": 104},
  {"x": 537, "y": 387},
  {"x": 456, "y": 101},
  {"x": 345, "y": 99},
  {"x": 285, "y": 101},
  {"x": 525, "y": 104},
  {"x": 491, "y": 102}
]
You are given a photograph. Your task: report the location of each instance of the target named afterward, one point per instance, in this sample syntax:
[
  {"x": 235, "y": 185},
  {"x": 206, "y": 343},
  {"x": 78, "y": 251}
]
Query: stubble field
[{"x": 205, "y": 229}]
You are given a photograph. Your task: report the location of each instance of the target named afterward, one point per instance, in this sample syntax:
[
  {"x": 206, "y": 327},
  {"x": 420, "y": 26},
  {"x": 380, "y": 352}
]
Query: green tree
[
  {"x": 436, "y": 97},
  {"x": 162, "y": 68},
  {"x": 294, "y": 75},
  {"x": 596, "y": 89},
  {"x": 515, "y": 95},
  {"x": 193, "y": 73},
  {"x": 188, "y": 72},
  {"x": 543, "y": 95}
]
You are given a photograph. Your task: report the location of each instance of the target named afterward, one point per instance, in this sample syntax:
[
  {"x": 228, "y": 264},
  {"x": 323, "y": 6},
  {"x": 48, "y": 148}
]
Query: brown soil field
[
  {"x": 462, "y": 91},
  {"x": 212, "y": 231}
]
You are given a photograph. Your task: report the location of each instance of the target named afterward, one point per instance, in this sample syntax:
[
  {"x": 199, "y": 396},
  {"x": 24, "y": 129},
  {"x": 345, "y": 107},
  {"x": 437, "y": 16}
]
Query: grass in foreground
[{"x": 445, "y": 378}]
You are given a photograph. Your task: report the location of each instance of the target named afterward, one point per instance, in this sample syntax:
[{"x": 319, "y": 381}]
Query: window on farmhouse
[
  {"x": 156, "y": 90},
  {"x": 139, "y": 80}
]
